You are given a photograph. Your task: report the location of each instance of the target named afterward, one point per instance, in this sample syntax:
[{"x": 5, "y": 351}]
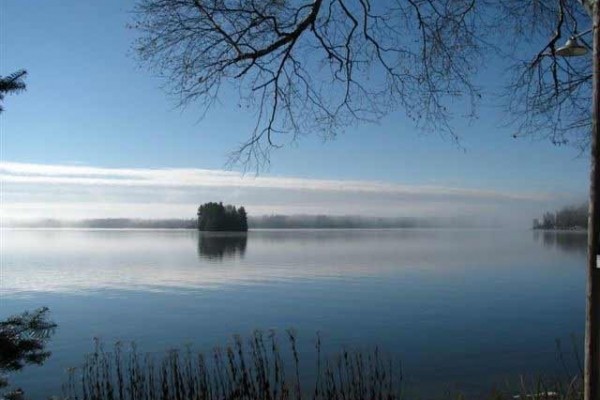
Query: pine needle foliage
[{"x": 12, "y": 84}]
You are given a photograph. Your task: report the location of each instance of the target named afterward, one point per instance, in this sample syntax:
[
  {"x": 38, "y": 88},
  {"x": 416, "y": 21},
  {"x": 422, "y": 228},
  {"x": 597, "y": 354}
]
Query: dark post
[{"x": 592, "y": 329}]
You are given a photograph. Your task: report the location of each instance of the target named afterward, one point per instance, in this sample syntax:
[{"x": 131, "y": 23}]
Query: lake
[{"x": 461, "y": 309}]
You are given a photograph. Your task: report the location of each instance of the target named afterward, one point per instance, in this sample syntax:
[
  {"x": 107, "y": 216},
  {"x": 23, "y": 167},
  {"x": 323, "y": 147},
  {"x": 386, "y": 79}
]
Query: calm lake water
[{"x": 461, "y": 309}]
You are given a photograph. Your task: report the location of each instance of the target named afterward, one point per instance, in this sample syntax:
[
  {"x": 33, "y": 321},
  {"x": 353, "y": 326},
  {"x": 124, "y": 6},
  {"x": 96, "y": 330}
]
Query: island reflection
[
  {"x": 216, "y": 246},
  {"x": 566, "y": 241}
]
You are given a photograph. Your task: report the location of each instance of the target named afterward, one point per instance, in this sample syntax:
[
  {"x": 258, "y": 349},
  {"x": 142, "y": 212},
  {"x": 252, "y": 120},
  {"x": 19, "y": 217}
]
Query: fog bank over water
[
  {"x": 260, "y": 222},
  {"x": 35, "y": 192}
]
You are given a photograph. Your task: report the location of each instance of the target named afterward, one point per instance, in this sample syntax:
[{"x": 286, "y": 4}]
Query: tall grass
[
  {"x": 258, "y": 369},
  {"x": 253, "y": 369}
]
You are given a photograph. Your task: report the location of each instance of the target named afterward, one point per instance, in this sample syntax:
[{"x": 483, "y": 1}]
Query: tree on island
[
  {"x": 217, "y": 217},
  {"x": 570, "y": 217}
]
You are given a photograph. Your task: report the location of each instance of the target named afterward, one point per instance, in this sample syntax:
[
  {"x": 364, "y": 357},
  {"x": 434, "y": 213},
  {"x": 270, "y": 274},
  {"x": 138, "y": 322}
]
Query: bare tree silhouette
[{"x": 320, "y": 66}]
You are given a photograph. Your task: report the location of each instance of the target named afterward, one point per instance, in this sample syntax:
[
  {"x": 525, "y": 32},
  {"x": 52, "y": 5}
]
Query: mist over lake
[{"x": 461, "y": 309}]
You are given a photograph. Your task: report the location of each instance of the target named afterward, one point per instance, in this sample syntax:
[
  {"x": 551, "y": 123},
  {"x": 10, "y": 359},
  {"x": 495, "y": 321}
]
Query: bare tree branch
[
  {"x": 320, "y": 66},
  {"x": 549, "y": 96}
]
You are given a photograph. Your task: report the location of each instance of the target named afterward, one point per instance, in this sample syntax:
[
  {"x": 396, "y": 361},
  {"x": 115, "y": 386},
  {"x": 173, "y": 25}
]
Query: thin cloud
[
  {"x": 40, "y": 191},
  {"x": 31, "y": 174}
]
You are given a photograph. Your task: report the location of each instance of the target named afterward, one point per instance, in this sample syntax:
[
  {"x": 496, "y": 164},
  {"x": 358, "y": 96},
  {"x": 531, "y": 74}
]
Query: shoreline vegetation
[
  {"x": 266, "y": 365},
  {"x": 260, "y": 366},
  {"x": 569, "y": 218},
  {"x": 263, "y": 365}
]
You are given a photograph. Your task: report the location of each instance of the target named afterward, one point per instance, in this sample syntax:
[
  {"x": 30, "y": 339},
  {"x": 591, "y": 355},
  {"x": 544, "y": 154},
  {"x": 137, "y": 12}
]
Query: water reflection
[
  {"x": 482, "y": 304},
  {"x": 216, "y": 245},
  {"x": 568, "y": 242}
]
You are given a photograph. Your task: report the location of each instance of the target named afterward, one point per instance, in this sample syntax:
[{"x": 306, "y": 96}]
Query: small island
[
  {"x": 572, "y": 218},
  {"x": 216, "y": 217}
]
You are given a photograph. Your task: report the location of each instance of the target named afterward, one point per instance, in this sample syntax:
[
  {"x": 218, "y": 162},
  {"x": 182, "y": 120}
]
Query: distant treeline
[
  {"x": 112, "y": 223},
  {"x": 260, "y": 222},
  {"x": 570, "y": 217},
  {"x": 348, "y": 222}
]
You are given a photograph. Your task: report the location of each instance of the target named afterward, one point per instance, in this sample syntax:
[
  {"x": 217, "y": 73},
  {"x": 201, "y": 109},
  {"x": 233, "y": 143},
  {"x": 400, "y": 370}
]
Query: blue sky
[{"x": 89, "y": 103}]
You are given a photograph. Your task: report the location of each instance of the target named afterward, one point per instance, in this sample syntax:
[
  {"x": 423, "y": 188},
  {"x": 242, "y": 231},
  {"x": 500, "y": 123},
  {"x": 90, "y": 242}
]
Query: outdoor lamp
[{"x": 572, "y": 48}]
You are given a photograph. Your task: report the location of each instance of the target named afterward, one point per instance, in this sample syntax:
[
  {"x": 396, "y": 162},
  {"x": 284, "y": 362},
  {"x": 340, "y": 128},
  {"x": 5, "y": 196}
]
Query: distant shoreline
[
  {"x": 20, "y": 228},
  {"x": 573, "y": 230},
  {"x": 254, "y": 223}
]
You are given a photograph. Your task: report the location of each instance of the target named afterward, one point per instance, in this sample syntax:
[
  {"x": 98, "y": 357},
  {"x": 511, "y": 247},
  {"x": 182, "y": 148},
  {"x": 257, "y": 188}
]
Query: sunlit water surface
[{"x": 461, "y": 309}]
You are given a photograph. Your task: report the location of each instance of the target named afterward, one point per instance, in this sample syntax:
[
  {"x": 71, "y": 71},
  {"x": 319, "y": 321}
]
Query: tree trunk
[{"x": 592, "y": 329}]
